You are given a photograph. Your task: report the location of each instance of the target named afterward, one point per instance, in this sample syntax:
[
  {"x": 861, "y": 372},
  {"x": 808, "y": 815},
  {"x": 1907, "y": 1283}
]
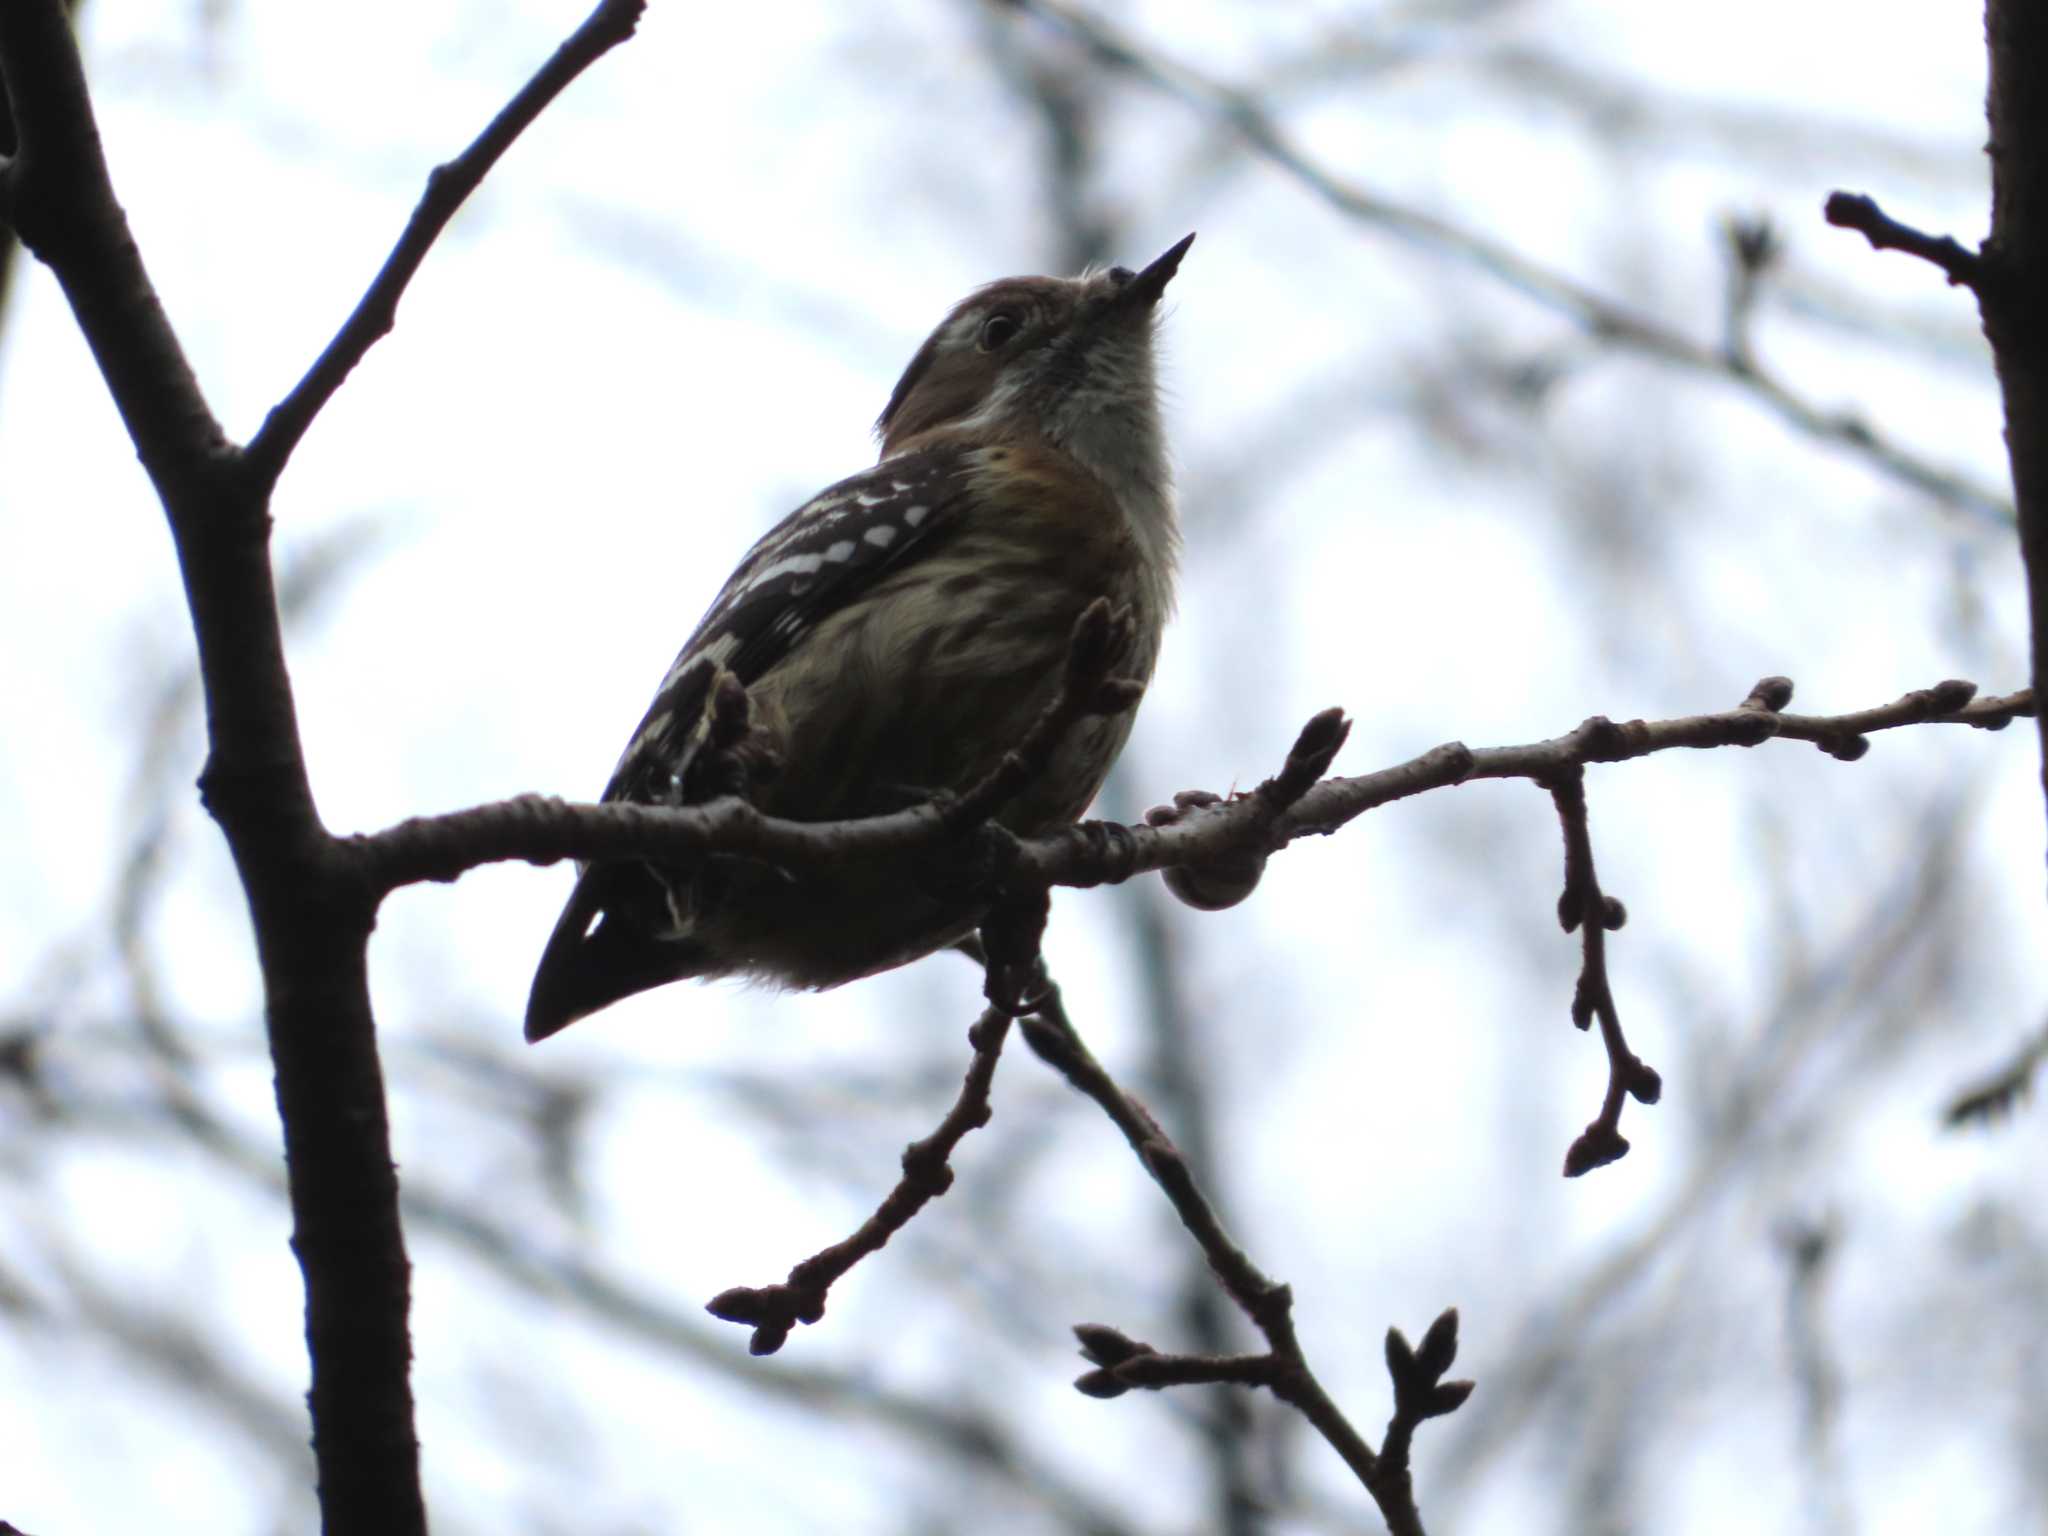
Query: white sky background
[{"x": 670, "y": 316}]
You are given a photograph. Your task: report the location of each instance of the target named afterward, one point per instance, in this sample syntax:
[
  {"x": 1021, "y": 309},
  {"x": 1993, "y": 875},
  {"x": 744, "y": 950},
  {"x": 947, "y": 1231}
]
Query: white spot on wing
[
  {"x": 792, "y": 565},
  {"x": 881, "y": 535},
  {"x": 912, "y": 516},
  {"x": 841, "y": 552}
]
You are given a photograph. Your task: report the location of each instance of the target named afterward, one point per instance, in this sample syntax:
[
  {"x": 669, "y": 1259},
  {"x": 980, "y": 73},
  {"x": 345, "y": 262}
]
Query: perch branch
[
  {"x": 1215, "y": 847},
  {"x": 543, "y": 830}
]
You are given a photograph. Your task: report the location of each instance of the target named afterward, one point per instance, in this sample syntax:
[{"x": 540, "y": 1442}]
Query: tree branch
[
  {"x": 311, "y": 918},
  {"x": 309, "y": 906},
  {"x": 1584, "y": 907},
  {"x": 2013, "y": 290},
  {"x": 10, "y": 247},
  {"x": 773, "y": 1310},
  {"x": 55, "y": 192},
  {"x": 540, "y": 829},
  {"x": 448, "y": 187},
  {"x": 1202, "y": 835},
  {"x": 1122, "y": 1363},
  {"x": 1853, "y": 210}
]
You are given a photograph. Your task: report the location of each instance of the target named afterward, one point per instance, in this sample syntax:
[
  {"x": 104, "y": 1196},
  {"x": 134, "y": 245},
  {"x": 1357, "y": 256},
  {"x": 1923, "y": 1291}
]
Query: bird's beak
[{"x": 1145, "y": 288}]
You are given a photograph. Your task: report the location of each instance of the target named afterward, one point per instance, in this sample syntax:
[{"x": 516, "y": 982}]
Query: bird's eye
[
  {"x": 1121, "y": 275},
  {"x": 999, "y": 330}
]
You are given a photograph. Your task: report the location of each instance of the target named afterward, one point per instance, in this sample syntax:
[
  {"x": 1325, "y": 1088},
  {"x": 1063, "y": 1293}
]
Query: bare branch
[
  {"x": 1584, "y": 907},
  {"x": 1953, "y": 702},
  {"x": 2012, "y": 292},
  {"x": 55, "y": 192},
  {"x": 1122, "y": 1363},
  {"x": 1420, "y": 1392},
  {"x": 448, "y": 187},
  {"x": 773, "y": 1310},
  {"x": 311, "y": 918},
  {"x": 542, "y": 830},
  {"x": 309, "y": 907},
  {"x": 1200, "y": 837},
  {"x": 1853, "y": 210}
]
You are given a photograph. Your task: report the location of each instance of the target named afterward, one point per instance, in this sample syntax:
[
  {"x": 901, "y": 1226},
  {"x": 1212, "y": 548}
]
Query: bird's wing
[{"x": 815, "y": 561}]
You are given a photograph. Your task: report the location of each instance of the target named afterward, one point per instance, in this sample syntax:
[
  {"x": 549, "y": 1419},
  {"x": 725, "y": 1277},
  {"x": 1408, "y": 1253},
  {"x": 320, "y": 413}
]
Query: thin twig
[
  {"x": 1121, "y": 1363},
  {"x": 1586, "y": 908},
  {"x": 1853, "y": 210},
  {"x": 448, "y": 187},
  {"x": 1953, "y": 702},
  {"x": 772, "y": 1311}
]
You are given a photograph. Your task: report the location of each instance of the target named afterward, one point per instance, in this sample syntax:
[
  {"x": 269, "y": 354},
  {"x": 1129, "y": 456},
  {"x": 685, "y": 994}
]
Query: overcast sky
[{"x": 670, "y": 316}]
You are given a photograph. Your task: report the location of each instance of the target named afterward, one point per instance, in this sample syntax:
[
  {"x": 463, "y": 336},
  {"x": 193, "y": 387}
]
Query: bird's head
[{"x": 1065, "y": 359}]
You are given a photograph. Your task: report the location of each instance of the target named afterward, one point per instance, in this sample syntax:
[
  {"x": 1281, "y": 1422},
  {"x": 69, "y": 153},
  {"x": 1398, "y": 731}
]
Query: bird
[{"x": 891, "y": 640}]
